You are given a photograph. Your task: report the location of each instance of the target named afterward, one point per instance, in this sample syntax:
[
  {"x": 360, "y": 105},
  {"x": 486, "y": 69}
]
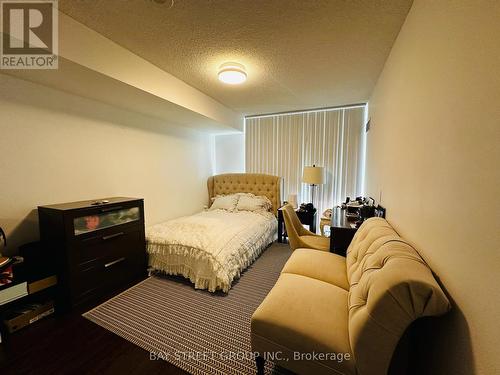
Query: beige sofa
[{"x": 333, "y": 315}]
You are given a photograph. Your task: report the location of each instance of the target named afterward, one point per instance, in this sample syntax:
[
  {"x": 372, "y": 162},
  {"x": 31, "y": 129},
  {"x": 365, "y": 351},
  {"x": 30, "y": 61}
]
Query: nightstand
[{"x": 305, "y": 217}]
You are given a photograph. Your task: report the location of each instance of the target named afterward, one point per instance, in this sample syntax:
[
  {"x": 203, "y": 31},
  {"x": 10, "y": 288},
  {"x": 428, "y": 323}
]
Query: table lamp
[{"x": 313, "y": 176}]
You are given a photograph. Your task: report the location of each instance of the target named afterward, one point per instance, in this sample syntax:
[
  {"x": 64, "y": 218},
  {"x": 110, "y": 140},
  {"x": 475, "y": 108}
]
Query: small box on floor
[{"x": 27, "y": 314}]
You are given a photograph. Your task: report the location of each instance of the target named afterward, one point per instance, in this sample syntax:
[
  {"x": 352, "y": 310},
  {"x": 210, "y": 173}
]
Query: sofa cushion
[
  {"x": 371, "y": 230},
  {"x": 390, "y": 287},
  {"x": 320, "y": 265},
  {"x": 302, "y": 314}
]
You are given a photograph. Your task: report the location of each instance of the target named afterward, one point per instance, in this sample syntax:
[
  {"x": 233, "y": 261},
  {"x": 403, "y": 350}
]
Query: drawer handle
[
  {"x": 105, "y": 238},
  {"x": 111, "y": 209},
  {"x": 107, "y": 265}
]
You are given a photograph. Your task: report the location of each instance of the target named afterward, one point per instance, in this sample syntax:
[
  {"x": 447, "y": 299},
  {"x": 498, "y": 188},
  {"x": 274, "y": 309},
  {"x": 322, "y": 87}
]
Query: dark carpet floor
[{"x": 197, "y": 331}]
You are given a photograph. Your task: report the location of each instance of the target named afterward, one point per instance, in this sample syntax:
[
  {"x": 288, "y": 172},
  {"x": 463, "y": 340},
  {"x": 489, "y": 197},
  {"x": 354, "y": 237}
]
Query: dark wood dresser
[{"x": 98, "y": 246}]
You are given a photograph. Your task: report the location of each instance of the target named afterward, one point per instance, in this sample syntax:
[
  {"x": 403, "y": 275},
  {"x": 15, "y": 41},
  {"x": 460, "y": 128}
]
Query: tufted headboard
[{"x": 255, "y": 183}]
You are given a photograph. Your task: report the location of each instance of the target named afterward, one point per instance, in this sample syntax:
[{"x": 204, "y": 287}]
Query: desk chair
[{"x": 299, "y": 236}]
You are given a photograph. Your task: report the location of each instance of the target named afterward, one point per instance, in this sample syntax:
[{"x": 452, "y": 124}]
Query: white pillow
[
  {"x": 224, "y": 202},
  {"x": 250, "y": 202}
]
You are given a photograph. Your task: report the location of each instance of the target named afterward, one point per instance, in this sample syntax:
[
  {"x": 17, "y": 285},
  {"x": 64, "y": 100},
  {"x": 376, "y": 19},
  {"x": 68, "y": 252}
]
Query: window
[{"x": 284, "y": 144}]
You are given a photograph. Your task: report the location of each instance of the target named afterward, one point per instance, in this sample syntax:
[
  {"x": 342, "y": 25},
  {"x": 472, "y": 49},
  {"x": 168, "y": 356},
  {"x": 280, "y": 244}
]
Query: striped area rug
[{"x": 197, "y": 331}]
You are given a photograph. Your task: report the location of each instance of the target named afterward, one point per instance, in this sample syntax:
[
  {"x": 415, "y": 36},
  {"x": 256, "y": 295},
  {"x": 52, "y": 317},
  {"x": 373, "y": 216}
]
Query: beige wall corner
[
  {"x": 230, "y": 153},
  {"x": 433, "y": 154}
]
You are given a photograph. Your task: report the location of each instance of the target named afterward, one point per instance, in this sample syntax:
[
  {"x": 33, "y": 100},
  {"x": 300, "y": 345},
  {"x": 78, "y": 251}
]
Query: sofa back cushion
[
  {"x": 390, "y": 287},
  {"x": 371, "y": 230}
]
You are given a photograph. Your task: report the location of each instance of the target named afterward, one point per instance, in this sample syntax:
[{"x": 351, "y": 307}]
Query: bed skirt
[{"x": 200, "y": 267}]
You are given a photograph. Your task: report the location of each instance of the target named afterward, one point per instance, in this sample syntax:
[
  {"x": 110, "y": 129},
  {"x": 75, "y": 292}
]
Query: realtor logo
[{"x": 29, "y": 34}]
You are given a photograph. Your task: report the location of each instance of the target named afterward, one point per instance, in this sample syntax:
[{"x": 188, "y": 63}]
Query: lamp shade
[{"x": 313, "y": 175}]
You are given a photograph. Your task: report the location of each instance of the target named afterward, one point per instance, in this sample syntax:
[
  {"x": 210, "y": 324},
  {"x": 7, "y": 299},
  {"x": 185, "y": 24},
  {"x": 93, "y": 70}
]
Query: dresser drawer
[
  {"x": 104, "y": 275},
  {"x": 116, "y": 243},
  {"x": 97, "y": 219}
]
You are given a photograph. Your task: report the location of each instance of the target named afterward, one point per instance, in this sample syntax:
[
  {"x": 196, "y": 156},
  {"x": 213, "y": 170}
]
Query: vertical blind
[{"x": 284, "y": 144}]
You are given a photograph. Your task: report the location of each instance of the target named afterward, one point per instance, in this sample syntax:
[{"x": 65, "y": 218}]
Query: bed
[{"x": 213, "y": 247}]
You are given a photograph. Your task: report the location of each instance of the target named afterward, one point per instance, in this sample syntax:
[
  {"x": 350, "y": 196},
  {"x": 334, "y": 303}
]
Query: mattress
[{"x": 210, "y": 248}]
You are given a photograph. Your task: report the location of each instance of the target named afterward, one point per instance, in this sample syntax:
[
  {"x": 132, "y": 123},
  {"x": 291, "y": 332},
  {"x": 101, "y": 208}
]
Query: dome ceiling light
[{"x": 232, "y": 73}]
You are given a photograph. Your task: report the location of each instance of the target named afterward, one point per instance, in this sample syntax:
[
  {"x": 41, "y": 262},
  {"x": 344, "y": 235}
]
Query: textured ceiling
[{"x": 298, "y": 54}]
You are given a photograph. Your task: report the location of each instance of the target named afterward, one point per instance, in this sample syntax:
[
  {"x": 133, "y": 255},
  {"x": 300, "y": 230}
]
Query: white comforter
[{"x": 210, "y": 248}]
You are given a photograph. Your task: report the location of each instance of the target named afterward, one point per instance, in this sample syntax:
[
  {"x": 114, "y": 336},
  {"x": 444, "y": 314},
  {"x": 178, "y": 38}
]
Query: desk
[
  {"x": 342, "y": 231},
  {"x": 305, "y": 217}
]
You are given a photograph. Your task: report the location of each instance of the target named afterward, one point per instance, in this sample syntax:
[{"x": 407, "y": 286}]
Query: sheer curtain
[{"x": 334, "y": 139}]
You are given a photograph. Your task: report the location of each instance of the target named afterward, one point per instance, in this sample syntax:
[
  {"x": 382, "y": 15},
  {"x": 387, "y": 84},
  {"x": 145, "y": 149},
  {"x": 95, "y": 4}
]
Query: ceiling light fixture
[{"x": 232, "y": 73}]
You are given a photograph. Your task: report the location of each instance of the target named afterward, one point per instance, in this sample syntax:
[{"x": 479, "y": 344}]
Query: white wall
[
  {"x": 433, "y": 153},
  {"x": 230, "y": 153},
  {"x": 56, "y": 147}
]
